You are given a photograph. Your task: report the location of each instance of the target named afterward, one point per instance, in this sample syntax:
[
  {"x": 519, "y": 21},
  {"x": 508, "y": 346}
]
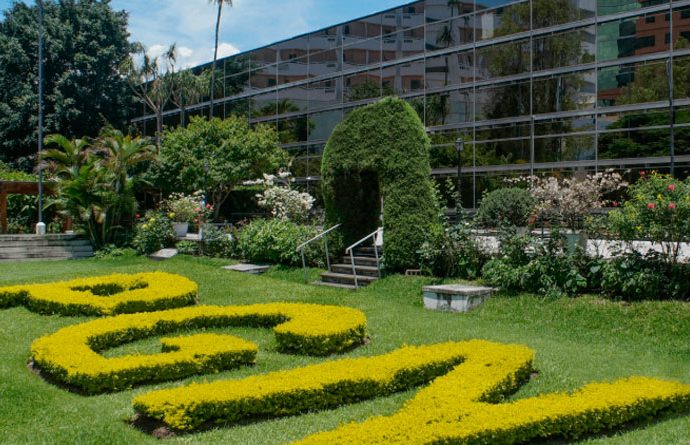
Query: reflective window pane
[
  {"x": 549, "y": 13},
  {"x": 565, "y": 92},
  {"x": 564, "y": 148},
  {"x": 361, "y": 86},
  {"x": 634, "y": 143},
  {"x": 563, "y": 49},
  {"x": 450, "y": 69},
  {"x": 505, "y": 59},
  {"x": 449, "y": 33},
  {"x": 633, "y": 83},
  {"x": 507, "y": 100},
  {"x": 633, "y": 36}
]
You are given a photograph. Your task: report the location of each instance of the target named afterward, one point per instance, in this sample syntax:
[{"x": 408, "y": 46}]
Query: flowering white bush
[
  {"x": 281, "y": 200},
  {"x": 571, "y": 199}
]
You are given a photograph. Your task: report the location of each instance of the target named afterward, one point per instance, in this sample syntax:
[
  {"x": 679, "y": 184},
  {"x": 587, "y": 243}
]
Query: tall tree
[
  {"x": 215, "y": 156},
  {"x": 151, "y": 80},
  {"x": 85, "y": 42},
  {"x": 220, "y": 4}
]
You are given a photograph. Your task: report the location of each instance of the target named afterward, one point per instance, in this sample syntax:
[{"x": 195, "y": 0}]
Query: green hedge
[{"x": 381, "y": 150}]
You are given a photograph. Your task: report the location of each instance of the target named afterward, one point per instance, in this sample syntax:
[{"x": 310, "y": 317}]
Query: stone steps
[
  {"x": 366, "y": 268},
  {"x": 48, "y": 247}
]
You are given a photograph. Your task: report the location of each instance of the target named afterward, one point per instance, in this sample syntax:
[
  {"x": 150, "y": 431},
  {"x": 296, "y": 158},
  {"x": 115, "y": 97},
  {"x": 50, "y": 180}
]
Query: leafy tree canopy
[
  {"x": 216, "y": 156},
  {"x": 85, "y": 41}
]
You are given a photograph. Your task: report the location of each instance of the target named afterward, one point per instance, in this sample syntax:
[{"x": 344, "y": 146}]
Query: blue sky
[{"x": 249, "y": 24}]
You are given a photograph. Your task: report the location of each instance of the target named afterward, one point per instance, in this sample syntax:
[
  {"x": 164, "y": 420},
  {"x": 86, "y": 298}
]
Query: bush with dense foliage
[
  {"x": 276, "y": 240},
  {"x": 281, "y": 200},
  {"x": 658, "y": 210},
  {"x": 153, "y": 233},
  {"x": 452, "y": 251},
  {"x": 511, "y": 205},
  {"x": 381, "y": 153},
  {"x": 215, "y": 156},
  {"x": 71, "y": 356},
  {"x": 525, "y": 264}
]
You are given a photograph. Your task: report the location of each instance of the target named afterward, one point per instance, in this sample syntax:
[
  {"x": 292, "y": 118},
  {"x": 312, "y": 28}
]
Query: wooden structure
[{"x": 17, "y": 188}]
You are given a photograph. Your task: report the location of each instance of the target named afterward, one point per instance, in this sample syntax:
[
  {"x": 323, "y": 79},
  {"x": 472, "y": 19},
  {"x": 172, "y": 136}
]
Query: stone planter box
[{"x": 455, "y": 297}]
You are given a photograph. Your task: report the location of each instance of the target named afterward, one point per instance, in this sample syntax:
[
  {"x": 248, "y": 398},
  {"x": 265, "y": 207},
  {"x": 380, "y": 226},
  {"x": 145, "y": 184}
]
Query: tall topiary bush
[{"x": 380, "y": 154}]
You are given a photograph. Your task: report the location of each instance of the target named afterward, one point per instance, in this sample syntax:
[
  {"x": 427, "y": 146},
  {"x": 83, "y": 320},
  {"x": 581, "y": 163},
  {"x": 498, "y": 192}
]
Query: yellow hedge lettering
[
  {"x": 106, "y": 295},
  {"x": 71, "y": 356},
  {"x": 459, "y": 407}
]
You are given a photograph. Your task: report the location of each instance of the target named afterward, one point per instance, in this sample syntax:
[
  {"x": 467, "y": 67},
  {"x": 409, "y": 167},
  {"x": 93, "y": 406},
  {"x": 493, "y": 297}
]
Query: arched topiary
[{"x": 380, "y": 153}]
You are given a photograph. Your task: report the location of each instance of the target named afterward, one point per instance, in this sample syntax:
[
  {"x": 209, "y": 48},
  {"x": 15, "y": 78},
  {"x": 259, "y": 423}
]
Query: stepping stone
[
  {"x": 253, "y": 269},
  {"x": 163, "y": 254},
  {"x": 455, "y": 297}
]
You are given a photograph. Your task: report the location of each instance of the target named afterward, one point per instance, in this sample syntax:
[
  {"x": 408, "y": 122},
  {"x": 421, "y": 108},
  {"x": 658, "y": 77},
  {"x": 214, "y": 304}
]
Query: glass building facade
[{"x": 532, "y": 86}]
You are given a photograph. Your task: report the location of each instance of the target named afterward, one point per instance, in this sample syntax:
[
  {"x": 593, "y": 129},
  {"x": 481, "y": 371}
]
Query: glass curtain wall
[{"x": 532, "y": 86}]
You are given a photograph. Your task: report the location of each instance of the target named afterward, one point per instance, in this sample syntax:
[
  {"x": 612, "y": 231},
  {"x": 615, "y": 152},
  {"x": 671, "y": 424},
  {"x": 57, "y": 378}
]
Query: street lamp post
[
  {"x": 672, "y": 147},
  {"x": 460, "y": 148},
  {"x": 40, "y": 227}
]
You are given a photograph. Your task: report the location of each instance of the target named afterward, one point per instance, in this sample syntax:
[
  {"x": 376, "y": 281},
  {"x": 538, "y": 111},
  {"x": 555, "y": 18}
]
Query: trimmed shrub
[
  {"x": 106, "y": 295},
  {"x": 70, "y": 355},
  {"x": 317, "y": 387},
  {"x": 275, "y": 241},
  {"x": 381, "y": 152},
  {"x": 511, "y": 205}
]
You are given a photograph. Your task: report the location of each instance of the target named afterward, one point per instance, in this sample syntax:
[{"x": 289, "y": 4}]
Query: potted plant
[{"x": 183, "y": 209}]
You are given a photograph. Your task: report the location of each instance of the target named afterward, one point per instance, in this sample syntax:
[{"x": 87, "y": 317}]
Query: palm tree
[
  {"x": 149, "y": 83},
  {"x": 188, "y": 89},
  {"x": 220, "y": 4}
]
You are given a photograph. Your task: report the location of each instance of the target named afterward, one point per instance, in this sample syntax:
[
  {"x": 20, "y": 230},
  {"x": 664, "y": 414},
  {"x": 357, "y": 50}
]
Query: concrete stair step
[
  {"x": 370, "y": 271},
  {"x": 335, "y": 285},
  {"x": 48, "y": 247},
  {"x": 359, "y": 261},
  {"x": 332, "y": 277}
]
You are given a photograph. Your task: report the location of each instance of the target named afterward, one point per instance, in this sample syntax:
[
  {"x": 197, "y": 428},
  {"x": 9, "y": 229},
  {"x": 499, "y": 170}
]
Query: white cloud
[{"x": 227, "y": 49}]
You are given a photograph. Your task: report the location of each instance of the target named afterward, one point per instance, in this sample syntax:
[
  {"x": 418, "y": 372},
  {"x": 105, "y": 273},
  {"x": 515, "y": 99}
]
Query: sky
[{"x": 247, "y": 25}]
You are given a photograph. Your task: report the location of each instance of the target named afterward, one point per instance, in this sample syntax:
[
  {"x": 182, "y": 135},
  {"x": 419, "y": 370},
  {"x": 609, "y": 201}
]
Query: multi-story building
[{"x": 532, "y": 86}]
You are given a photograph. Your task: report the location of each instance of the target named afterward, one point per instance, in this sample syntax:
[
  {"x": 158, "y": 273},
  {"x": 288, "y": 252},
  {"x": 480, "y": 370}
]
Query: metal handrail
[
  {"x": 350, "y": 250},
  {"x": 301, "y": 247}
]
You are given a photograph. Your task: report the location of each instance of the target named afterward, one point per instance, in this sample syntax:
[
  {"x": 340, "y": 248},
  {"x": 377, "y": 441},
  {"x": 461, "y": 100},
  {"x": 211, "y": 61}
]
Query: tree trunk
[
  {"x": 215, "y": 59},
  {"x": 159, "y": 129}
]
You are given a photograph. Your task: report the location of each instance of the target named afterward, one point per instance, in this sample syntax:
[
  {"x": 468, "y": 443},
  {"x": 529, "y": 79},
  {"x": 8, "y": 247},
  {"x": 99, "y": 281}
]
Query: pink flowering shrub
[{"x": 658, "y": 209}]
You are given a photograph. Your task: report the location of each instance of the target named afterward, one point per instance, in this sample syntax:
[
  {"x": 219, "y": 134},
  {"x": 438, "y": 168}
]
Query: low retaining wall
[{"x": 48, "y": 247}]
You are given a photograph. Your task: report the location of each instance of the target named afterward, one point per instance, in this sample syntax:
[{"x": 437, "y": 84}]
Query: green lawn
[{"x": 577, "y": 341}]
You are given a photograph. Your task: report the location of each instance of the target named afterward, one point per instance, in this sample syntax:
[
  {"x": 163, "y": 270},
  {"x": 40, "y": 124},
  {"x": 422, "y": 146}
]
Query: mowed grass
[{"x": 577, "y": 341}]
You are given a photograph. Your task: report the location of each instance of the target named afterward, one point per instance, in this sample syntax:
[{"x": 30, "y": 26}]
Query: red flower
[
  {"x": 137, "y": 216},
  {"x": 208, "y": 206},
  {"x": 672, "y": 206},
  {"x": 671, "y": 187},
  {"x": 651, "y": 206},
  {"x": 642, "y": 173},
  {"x": 616, "y": 203}
]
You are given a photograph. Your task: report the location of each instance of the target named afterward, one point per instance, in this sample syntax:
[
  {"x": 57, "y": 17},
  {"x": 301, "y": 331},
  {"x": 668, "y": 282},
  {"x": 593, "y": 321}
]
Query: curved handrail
[
  {"x": 317, "y": 237},
  {"x": 350, "y": 250},
  {"x": 301, "y": 247}
]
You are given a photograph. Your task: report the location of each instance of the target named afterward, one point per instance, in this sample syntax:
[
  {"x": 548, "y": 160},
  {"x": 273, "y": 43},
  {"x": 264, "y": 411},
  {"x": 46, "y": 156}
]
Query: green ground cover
[{"x": 577, "y": 341}]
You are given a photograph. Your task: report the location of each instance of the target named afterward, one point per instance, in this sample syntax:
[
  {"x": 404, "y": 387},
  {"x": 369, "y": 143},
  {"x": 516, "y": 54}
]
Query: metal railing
[
  {"x": 301, "y": 247},
  {"x": 350, "y": 250}
]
